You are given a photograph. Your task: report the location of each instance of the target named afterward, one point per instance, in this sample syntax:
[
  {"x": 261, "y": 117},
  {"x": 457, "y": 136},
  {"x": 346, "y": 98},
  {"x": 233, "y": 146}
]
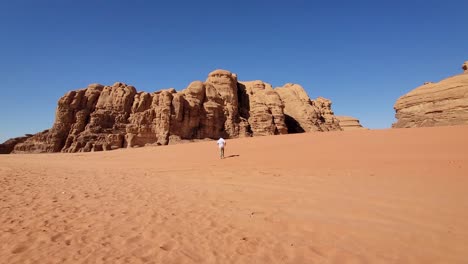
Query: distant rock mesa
[
  {"x": 349, "y": 123},
  {"x": 435, "y": 104},
  {"x": 100, "y": 117}
]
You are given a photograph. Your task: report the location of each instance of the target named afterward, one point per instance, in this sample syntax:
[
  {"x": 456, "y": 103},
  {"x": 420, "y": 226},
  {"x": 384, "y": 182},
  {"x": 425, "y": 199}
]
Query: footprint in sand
[
  {"x": 19, "y": 249},
  {"x": 134, "y": 239},
  {"x": 56, "y": 237},
  {"x": 168, "y": 246}
]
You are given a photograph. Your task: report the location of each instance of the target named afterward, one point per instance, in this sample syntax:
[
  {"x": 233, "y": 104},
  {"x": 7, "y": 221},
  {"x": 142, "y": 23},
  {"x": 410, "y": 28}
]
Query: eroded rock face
[
  {"x": 38, "y": 143},
  {"x": 435, "y": 104},
  {"x": 263, "y": 109},
  {"x": 8, "y": 146},
  {"x": 328, "y": 121},
  {"x": 101, "y": 117},
  {"x": 225, "y": 87},
  {"x": 303, "y": 114},
  {"x": 349, "y": 123}
]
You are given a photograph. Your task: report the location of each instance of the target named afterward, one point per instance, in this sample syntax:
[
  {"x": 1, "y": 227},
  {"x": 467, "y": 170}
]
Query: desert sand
[{"x": 367, "y": 196}]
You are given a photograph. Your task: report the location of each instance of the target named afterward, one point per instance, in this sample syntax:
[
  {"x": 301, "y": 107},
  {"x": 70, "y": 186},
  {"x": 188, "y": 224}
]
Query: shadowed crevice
[{"x": 292, "y": 124}]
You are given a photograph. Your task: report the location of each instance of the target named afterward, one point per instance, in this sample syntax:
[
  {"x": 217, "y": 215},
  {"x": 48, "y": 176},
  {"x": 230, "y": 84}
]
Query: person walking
[{"x": 221, "y": 144}]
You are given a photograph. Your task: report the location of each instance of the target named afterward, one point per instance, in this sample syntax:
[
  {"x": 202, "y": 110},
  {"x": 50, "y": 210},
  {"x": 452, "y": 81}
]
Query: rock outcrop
[
  {"x": 349, "y": 123},
  {"x": 303, "y": 114},
  {"x": 435, "y": 104},
  {"x": 327, "y": 119},
  {"x": 8, "y": 146},
  {"x": 101, "y": 117},
  {"x": 262, "y": 108}
]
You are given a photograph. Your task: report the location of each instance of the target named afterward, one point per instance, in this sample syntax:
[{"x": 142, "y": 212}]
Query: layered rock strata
[
  {"x": 101, "y": 117},
  {"x": 349, "y": 123},
  {"x": 435, "y": 104}
]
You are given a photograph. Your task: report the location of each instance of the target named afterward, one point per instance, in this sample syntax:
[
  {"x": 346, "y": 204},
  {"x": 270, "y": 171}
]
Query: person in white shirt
[{"x": 221, "y": 144}]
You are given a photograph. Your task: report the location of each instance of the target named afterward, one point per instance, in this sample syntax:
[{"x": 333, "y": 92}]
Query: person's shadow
[{"x": 232, "y": 156}]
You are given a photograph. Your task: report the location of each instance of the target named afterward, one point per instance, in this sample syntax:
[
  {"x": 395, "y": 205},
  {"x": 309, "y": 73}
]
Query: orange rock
[
  {"x": 435, "y": 104},
  {"x": 349, "y": 123},
  {"x": 101, "y": 117},
  {"x": 303, "y": 114}
]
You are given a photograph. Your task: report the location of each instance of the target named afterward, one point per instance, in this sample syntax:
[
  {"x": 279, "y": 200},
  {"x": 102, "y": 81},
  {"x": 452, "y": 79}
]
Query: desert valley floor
[{"x": 367, "y": 196}]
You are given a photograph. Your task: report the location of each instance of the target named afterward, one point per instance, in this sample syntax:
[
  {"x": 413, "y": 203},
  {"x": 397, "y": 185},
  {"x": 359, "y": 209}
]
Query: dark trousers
[{"x": 221, "y": 152}]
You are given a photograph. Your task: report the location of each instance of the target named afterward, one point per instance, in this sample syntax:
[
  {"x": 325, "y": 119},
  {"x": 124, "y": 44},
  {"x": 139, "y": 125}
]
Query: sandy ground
[{"x": 387, "y": 196}]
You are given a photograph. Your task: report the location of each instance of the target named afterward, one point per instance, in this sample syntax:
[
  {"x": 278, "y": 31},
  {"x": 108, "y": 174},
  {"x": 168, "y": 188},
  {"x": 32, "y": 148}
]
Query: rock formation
[
  {"x": 303, "y": 114},
  {"x": 8, "y": 146},
  {"x": 327, "y": 119},
  {"x": 435, "y": 104},
  {"x": 349, "y": 123},
  {"x": 100, "y": 117},
  {"x": 262, "y": 108}
]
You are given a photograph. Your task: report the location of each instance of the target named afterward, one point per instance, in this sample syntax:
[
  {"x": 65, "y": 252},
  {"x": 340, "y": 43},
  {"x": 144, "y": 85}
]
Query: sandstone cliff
[
  {"x": 262, "y": 108},
  {"x": 100, "y": 117},
  {"x": 303, "y": 114},
  {"x": 435, "y": 104}
]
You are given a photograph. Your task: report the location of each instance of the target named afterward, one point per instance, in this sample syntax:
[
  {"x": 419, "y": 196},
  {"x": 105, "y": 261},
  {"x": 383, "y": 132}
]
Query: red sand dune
[{"x": 386, "y": 196}]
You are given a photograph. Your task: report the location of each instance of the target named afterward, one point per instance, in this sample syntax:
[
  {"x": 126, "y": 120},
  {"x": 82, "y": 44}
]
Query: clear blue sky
[{"x": 362, "y": 55}]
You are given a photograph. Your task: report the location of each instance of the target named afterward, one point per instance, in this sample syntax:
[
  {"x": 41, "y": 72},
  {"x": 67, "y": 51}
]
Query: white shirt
[{"x": 221, "y": 142}]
